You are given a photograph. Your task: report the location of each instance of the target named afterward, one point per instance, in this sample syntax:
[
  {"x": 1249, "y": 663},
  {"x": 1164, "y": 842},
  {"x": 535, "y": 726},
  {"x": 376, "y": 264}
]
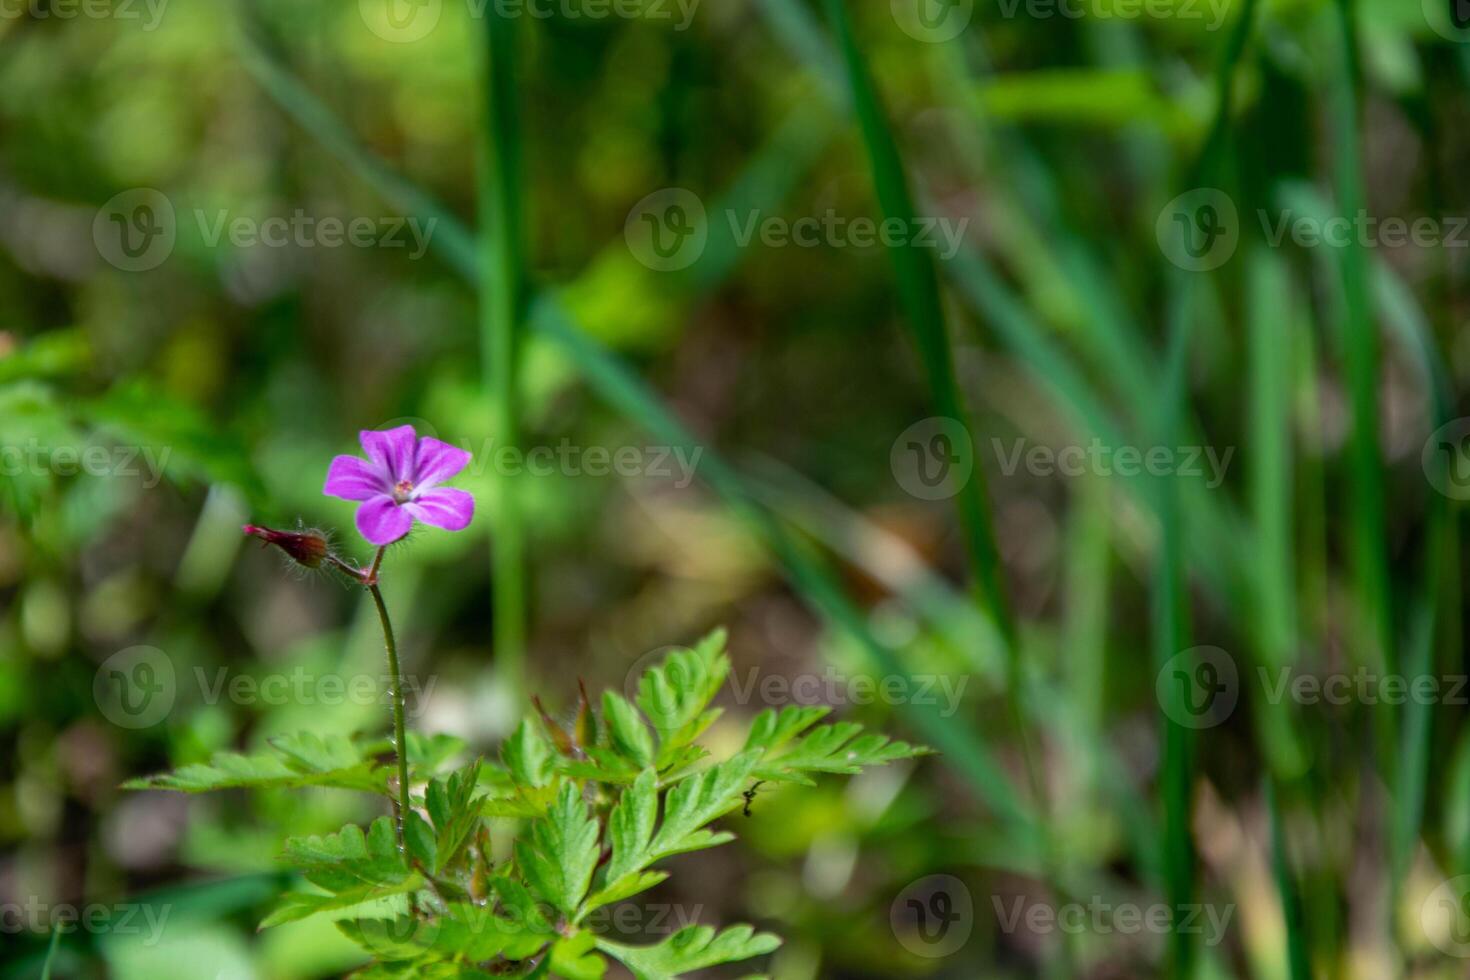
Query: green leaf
[
  {"x": 454, "y": 811},
  {"x": 299, "y": 760},
  {"x": 630, "y": 833},
  {"x": 427, "y": 754},
  {"x": 696, "y": 801},
  {"x": 463, "y": 932},
  {"x": 561, "y": 853},
  {"x": 688, "y": 807},
  {"x": 626, "y": 733},
  {"x": 349, "y": 866},
  {"x": 572, "y": 958},
  {"x": 527, "y": 754},
  {"x": 691, "y": 948},
  {"x": 837, "y": 748},
  {"x": 478, "y": 934},
  {"x": 419, "y": 837},
  {"x": 675, "y": 694}
]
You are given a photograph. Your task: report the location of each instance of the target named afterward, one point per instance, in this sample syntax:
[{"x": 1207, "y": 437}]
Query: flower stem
[{"x": 395, "y": 679}]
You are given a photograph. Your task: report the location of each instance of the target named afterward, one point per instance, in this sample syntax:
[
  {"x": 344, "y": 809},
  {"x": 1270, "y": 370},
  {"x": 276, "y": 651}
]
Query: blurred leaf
[{"x": 691, "y": 948}]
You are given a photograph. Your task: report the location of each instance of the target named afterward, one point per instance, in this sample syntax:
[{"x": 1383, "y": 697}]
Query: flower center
[{"x": 402, "y": 491}]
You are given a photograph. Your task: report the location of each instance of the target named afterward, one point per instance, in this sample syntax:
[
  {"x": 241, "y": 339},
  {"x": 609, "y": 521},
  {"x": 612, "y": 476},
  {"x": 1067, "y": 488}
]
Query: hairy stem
[{"x": 395, "y": 680}]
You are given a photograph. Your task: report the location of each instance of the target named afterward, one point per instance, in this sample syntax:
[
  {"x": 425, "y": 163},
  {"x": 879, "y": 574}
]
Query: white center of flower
[{"x": 402, "y": 492}]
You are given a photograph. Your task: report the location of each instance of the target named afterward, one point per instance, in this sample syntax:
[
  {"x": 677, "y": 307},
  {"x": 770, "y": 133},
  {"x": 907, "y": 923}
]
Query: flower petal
[
  {"x": 354, "y": 478},
  {"x": 382, "y": 521},
  {"x": 443, "y": 507},
  {"x": 391, "y": 451},
  {"x": 436, "y": 462}
]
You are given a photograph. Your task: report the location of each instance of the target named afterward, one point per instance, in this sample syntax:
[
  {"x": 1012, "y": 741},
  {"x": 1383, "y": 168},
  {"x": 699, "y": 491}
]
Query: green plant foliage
[
  {"x": 297, "y": 761},
  {"x": 600, "y": 804}
]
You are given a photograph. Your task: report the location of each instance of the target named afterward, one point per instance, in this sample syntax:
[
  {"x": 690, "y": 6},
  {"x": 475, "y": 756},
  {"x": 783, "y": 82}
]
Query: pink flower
[{"x": 399, "y": 483}]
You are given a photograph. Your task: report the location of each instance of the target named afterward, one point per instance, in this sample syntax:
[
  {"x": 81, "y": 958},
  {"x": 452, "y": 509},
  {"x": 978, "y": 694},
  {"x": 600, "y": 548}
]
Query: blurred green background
[{"x": 190, "y": 329}]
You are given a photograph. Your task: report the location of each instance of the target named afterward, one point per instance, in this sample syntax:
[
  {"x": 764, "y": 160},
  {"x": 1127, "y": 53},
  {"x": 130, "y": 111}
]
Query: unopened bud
[{"x": 305, "y": 547}]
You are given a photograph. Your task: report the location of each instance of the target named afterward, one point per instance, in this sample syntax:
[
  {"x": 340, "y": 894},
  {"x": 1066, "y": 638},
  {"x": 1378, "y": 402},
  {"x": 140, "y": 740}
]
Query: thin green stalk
[
  {"x": 1298, "y": 958},
  {"x": 51, "y": 951},
  {"x": 918, "y": 289},
  {"x": 1171, "y": 632},
  {"x": 395, "y": 688},
  {"x": 1361, "y": 354},
  {"x": 502, "y": 285}
]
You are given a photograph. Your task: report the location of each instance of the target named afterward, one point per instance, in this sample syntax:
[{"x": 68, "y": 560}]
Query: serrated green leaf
[
  {"x": 528, "y": 755},
  {"x": 455, "y": 812},
  {"x": 691, "y": 948},
  {"x": 572, "y": 958},
  {"x": 418, "y": 835},
  {"x": 772, "y": 729},
  {"x": 558, "y": 858},
  {"x": 696, "y": 801},
  {"x": 674, "y": 694},
  {"x": 626, "y": 732},
  {"x": 787, "y": 755},
  {"x": 630, "y": 834},
  {"x": 297, "y": 761},
  {"x": 349, "y": 866},
  {"x": 688, "y": 807},
  {"x": 427, "y": 754}
]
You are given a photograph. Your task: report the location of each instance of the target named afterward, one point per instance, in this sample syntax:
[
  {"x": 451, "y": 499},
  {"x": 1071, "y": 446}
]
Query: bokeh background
[{"x": 232, "y": 235}]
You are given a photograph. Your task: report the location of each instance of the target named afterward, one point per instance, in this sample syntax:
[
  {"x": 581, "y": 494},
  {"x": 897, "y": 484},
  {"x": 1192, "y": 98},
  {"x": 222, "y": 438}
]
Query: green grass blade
[
  {"x": 51, "y": 952},
  {"x": 502, "y": 283},
  {"x": 1359, "y": 337},
  {"x": 1171, "y": 637},
  {"x": 917, "y": 281},
  {"x": 1298, "y": 958}
]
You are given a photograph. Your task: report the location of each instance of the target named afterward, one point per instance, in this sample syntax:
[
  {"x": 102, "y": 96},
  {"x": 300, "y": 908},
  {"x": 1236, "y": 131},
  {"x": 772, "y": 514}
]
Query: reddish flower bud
[{"x": 305, "y": 547}]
